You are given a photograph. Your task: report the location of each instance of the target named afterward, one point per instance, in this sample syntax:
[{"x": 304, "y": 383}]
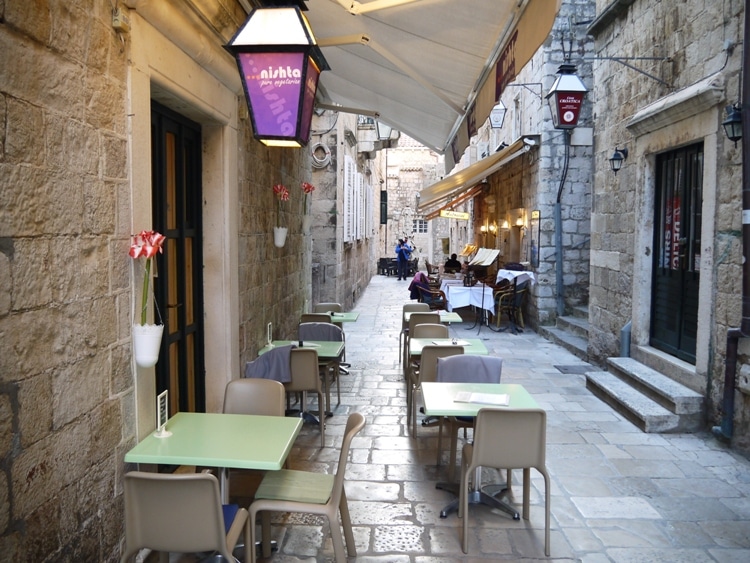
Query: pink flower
[
  {"x": 282, "y": 194},
  {"x": 146, "y": 244}
]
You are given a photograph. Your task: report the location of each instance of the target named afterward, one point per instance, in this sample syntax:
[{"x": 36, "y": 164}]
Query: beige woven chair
[
  {"x": 315, "y": 493},
  {"x": 180, "y": 513},
  {"x": 265, "y": 397},
  {"x": 409, "y": 308},
  {"x": 417, "y": 318},
  {"x": 315, "y": 318},
  {"x": 427, "y": 371},
  {"x": 508, "y": 439},
  {"x": 305, "y": 378}
]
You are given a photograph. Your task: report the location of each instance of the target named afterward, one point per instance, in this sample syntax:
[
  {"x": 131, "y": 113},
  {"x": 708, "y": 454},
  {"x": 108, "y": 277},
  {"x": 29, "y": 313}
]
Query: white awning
[
  {"x": 428, "y": 68},
  {"x": 467, "y": 178}
]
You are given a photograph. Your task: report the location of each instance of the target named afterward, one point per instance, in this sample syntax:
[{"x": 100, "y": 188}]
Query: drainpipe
[
  {"x": 558, "y": 230},
  {"x": 725, "y": 431}
]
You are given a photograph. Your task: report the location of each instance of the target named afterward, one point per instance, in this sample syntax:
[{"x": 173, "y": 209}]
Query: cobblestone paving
[{"x": 617, "y": 494}]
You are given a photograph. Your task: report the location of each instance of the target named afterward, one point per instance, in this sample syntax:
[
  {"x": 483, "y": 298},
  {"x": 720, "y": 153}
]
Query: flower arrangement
[
  {"x": 146, "y": 244},
  {"x": 308, "y": 188},
  {"x": 282, "y": 194}
]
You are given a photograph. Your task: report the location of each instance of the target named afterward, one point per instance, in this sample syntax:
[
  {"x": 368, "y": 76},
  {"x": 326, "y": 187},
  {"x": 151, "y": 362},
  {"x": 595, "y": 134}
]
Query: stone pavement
[{"x": 617, "y": 494}]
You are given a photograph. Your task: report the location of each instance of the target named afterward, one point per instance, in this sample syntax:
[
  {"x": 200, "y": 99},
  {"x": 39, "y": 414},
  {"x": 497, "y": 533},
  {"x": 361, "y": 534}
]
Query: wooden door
[{"x": 176, "y": 165}]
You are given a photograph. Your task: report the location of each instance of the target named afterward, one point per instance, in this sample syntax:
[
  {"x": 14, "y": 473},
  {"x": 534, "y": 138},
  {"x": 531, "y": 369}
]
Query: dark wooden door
[
  {"x": 176, "y": 165},
  {"x": 677, "y": 256}
]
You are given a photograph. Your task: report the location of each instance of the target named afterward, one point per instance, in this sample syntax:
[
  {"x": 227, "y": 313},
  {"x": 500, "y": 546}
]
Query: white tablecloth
[
  {"x": 459, "y": 296},
  {"x": 512, "y": 275}
]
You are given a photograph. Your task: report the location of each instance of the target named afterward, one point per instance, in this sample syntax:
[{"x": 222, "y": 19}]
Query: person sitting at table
[
  {"x": 420, "y": 280},
  {"x": 452, "y": 265}
]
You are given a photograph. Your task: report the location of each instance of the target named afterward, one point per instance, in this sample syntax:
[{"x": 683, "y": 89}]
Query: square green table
[
  {"x": 445, "y": 317},
  {"x": 470, "y": 345},
  {"x": 328, "y": 351},
  {"x": 438, "y": 398},
  {"x": 238, "y": 441},
  {"x": 344, "y": 317}
]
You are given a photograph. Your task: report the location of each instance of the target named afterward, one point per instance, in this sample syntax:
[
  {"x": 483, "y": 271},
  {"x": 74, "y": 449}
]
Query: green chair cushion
[{"x": 299, "y": 486}]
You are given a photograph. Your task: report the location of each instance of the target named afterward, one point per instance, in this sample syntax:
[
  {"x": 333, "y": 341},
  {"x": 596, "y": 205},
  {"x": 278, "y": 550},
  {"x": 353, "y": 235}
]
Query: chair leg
[
  {"x": 346, "y": 523},
  {"x": 339, "y": 552}
]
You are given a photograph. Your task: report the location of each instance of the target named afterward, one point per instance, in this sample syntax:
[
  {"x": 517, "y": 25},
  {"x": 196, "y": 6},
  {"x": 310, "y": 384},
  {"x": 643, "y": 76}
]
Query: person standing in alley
[{"x": 403, "y": 255}]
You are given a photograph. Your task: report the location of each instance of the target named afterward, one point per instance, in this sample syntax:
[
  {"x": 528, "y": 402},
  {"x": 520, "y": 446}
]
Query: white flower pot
[
  {"x": 146, "y": 344},
  {"x": 306, "y": 223},
  {"x": 279, "y": 236}
]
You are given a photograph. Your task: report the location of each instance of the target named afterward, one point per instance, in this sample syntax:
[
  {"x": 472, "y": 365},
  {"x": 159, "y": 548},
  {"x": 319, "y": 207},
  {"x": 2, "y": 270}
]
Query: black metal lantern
[
  {"x": 279, "y": 63},
  {"x": 617, "y": 159},
  {"x": 733, "y": 123},
  {"x": 566, "y": 97}
]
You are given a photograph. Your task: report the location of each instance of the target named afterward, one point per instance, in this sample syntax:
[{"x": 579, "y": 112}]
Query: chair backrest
[
  {"x": 422, "y": 318},
  {"x": 303, "y": 363},
  {"x": 470, "y": 369},
  {"x": 327, "y": 332},
  {"x": 413, "y": 308},
  {"x": 429, "y": 360},
  {"x": 510, "y": 438},
  {"x": 255, "y": 396},
  {"x": 315, "y": 318},
  {"x": 429, "y": 330},
  {"x": 328, "y": 307},
  {"x": 354, "y": 424},
  {"x": 173, "y": 512}
]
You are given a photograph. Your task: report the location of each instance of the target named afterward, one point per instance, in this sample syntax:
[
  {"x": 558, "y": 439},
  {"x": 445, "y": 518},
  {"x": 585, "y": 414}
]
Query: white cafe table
[
  {"x": 459, "y": 295},
  {"x": 439, "y": 400},
  {"x": 224, "y": 441}
]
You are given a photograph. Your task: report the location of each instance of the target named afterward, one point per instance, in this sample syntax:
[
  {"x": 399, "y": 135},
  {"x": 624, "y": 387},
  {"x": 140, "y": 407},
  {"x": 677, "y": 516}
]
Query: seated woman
[
  {"x": 420, "y": 289},
  {"x": 420, "y": 280}
]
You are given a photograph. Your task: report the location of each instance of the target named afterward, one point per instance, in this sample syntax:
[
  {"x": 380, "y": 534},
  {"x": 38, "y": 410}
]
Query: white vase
[
  {"x": 279, "y": 236},
  {"x": 306, "y": 223},
  {"x": 146, "y": 344}
]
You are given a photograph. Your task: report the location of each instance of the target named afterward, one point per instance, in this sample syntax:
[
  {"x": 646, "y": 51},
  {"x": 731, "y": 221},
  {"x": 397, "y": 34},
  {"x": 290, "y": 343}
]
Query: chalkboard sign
[{"x": 162, "y": 414}]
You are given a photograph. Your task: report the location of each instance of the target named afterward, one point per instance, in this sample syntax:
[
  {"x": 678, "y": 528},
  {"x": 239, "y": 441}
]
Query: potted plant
[
  {"x": 146, "y": 337},
  {"x": 308, "y": 188},
  {"x": 279, "y": 232}
]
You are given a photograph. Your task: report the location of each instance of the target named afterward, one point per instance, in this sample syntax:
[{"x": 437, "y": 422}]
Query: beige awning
[
  {"x": 426, "y": 67},
  {"x": 455, "y": 185}
]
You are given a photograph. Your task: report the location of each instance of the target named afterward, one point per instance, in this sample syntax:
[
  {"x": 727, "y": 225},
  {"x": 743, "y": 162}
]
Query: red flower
[
  {"x": 146, "y": 244},
  {"x": 308, "y": 187}
]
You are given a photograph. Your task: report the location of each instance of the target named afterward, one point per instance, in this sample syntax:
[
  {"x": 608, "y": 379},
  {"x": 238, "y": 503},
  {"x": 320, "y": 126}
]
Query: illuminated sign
[{"x": 454, "y": 214}]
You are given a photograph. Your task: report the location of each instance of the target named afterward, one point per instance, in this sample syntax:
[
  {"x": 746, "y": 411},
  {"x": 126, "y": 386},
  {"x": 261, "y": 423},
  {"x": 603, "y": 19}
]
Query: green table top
[
  {"x": 471, "y": 345},
  {"x": 221, "y": 440},
  {"x": 344, "y": 317},
  {"x": 327, "y": 350},
  {"x": 439, "y": 397},
  {"x": 445, "y": 317}
]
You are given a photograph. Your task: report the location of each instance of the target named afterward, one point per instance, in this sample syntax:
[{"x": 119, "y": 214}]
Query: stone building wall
[
  {"x": 700, "y": 43},
  {"x": 74, "y": 185}
]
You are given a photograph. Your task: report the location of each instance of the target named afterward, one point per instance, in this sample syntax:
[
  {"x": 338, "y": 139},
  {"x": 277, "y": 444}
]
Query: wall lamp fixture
[
  {"x": 617, "y": 158},
  {"x": 733, "y": 123}
]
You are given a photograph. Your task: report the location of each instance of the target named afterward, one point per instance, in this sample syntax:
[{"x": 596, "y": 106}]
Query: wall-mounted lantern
[
  {"x": 617, "y": 159},
  {"x": 497, "y": 115},
  {"x": 279, "y": 63},
  {"x": 566, "y": 97},
  {"x": 733, "y": 123}
]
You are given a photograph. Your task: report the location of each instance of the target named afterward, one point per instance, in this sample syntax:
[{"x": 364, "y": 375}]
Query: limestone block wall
[
  {"x": 73, "y": 151},
  {"x": 701, "y": 40}
]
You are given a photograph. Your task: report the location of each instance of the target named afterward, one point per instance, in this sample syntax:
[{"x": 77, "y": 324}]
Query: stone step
[
  {"x": 580, "y": 312},
  {"x": 576, "y": 345},
  {"x": 577, "y": 326},
  {"x": 667, "y": 392},
  {"x": 646, "y": 414}
]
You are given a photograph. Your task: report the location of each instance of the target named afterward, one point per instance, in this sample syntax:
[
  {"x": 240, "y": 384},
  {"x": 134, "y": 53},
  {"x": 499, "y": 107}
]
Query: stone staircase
[
  {"x": 571, "y": 332},
  {"x": 648, "y": 398},
  {"x": 644, "y": 388}
]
